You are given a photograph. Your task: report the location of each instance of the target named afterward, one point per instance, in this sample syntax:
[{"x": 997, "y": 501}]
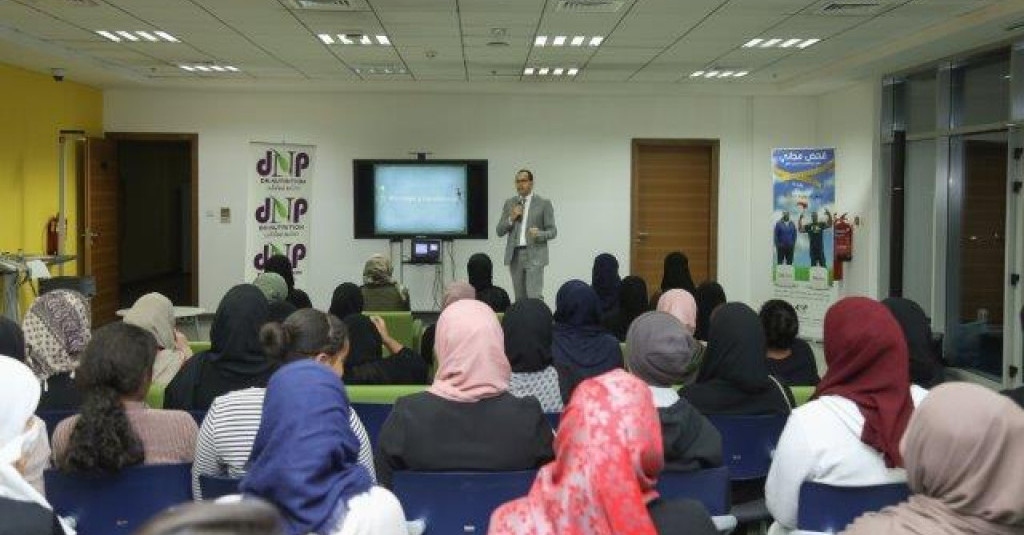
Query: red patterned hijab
[
  {"x": 608, "y": 457},
  {"x": 868, "y": 364}
]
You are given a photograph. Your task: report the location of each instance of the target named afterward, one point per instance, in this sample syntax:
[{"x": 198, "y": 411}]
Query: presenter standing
[{"x": 529, "y": 221}]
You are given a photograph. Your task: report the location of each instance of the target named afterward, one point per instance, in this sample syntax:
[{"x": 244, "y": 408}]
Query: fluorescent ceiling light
[
  {"x": 187, "y": 68},
  {"x": 543, "y": 71},
  {"x": 127, "y": 35},
  {"x": 365, "y": 40},
  {"x": 573, "y": 71},
  {"x": 326, "y": 38},
  {"x": 770, "y": 43},
  {"x": 808, "y": 43},
  {"x": 789, "y": 43},
  {"x": 148, "y": 36},
  {"x": 741, "y": 74},
  {"x": 231, "y": 68},
  {"x": 578, "y": 40},
  {"x": 596, "y": 40},
  {"x": 697, "y": 74},
  {"x": 711, "y": 74},
  {"x": 752, "y": 43},
  {"x": 725, "y": 74},
  {"x": 528, "y": 71},
  {"x": 344, "y": 39},
  {"x": 558, "y": 71},
  {"x": 109, "y": 35},
  {"x": 217, "y": 68},
  {"x": 559, "y": 40},
  {"x": 166, "y": 36},
  {"x": 202, "y": 68},
  {"x": 383, "y": 40},
  {"x": 541, "y": 40}
]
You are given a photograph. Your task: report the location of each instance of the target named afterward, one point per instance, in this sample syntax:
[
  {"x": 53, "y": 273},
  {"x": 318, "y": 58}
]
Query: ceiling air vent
[
  {"x": 854, "y": 8},
  {"x": 331, "y": 5},
  {"x": 589, "y": 6}
]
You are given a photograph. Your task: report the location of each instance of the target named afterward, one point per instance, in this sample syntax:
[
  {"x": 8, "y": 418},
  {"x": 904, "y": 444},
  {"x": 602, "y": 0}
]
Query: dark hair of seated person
[
  {"x": 250, "y": 516},
  {"x": 117, "y": 365},
  {"x": 306, "y": 333}
]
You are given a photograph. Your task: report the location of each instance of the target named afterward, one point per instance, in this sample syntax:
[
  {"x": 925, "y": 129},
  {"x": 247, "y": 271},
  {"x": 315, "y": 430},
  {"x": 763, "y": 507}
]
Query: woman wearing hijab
[
  {"x": 115, "y": 429},
  {"x": 466, "y": 420},
  {"x": 366, "y": 364},
  {"x": 282, "y": 266},
  {"x": 455, "y": 291},
  {"x": 580, "y": 346},
  {"x": 12, "y": 340},
  {"x": 481, "y": 275},
  {"x": 527, "y": 327},
  {"x": 273, "y": 286},
  {"x": 23, "y": 506},
  {"x": 380, "y": 292},
  {"x": 676, "y": 274},
  {"x": 155, "y": 314},
  {"x": 963, "y": 465},
  {"x": 305, "y": 459},
  {"x": 848, "y": 435},
  {"x": 925, "y": 369},
  {"x": 631, "y": 303},
  {"x": 57, "y": 328},
  {"x": 606, "y": 281},
  {"x": 790, "y": 359},
  {"x": 709, "y": 297},
  {"x": 659, "y": 350},
  {"x": 229, "y": 429},
  {"x": 682, "y": 306},
  {"x": 235, "y": 360},
  {"x": 346, "y": 300},
  {"x": 602, "y": 482}
]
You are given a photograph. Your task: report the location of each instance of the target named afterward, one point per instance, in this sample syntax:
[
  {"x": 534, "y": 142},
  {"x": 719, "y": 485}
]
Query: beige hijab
[
  {"x": 963, "y": 452},
  {"x": 155, "y": 313},
  {"x": 377, "y": 271}
]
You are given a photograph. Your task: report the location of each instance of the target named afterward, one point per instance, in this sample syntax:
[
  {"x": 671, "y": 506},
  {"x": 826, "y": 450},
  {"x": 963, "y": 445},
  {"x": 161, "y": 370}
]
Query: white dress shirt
[{"x": 522, "y": 220}]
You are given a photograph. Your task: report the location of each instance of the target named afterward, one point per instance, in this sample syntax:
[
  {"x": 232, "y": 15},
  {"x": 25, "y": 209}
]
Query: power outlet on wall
[{"x": 225, "y": 215}]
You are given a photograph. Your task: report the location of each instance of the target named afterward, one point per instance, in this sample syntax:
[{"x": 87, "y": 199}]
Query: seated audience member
[
  {"x": 631, "y": 303},
  {"x": 659, "y": 350},
  {"x": 278, "y": 311},
  {"x": 734, "y": 377},
  {"x": 527, "y": 327},
  {"x": 155, "y": 313},
  {"x": 480, "y": 271},
  {"x": 57, "y": 328},
  {"x": 235, "y": 359},
  {"x": 251, "y": 516},
  {"x": 709, "y": 297},
  {"x": 790, "y": 359},
  {"x": 466, "y": 420},
  {"x": 849, "y": 433},
  {"x": 366, "y": 364},
  {"x": 676, "y": 275},
  {"x": 380, "y": 292},
  {"x": 581, "y": 348},
  {"x": 682, "y": 306},
  {"x": 455, "y": 291},
  {"x": 346, "y": 300},
  {"x": 282, "y": 266},
  {"x": 962, "y": 452},
  {"x": 273, "y": 286},
  {"x": 23, "y": 506},
  {"x": 925, "y": 368},
  {"x": 229, "y": 429},
  {"x": 602, "y": 481},
  {"x": 605, "y": 281},
  {"x": 12, "y": 340},
  {"x": 305, "y": 459},
  {"x": 115, "y": 429}
]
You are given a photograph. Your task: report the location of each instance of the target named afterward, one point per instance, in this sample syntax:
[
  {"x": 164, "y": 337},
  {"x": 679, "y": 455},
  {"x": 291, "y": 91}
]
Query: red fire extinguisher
[
  {"x": 842, "y": 233},
  {"x": 52, "y": 235}
]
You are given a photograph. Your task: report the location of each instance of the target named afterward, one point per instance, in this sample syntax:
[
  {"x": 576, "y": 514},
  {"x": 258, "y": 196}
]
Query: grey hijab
[{"x": 659, "y": 349}]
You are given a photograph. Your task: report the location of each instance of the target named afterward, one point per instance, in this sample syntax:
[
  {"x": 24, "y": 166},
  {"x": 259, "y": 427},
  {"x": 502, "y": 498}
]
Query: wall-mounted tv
[{"x": 434, "y": 198}]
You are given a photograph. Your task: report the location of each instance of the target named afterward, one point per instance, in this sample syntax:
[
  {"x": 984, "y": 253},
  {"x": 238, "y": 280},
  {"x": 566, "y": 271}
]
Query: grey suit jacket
[{"x": 540, "y": 215}]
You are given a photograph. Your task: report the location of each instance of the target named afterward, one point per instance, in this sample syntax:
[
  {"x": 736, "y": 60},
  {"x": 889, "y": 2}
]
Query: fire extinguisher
[
  {"x": 52, "y": 235},
  {"x": 842, "y": 233}
]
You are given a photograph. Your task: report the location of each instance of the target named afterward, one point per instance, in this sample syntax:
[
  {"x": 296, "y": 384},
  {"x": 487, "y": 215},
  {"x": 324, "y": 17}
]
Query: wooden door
[
  {"x": 100, "y": 226},
  {"x": 675, "y": 207}
]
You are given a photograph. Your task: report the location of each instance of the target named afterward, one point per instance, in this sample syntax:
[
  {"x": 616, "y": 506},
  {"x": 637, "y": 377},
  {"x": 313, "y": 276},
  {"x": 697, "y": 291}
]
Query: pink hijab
[
  {"x": 470, "y": 349},
  {"x": 680, "y": 304},
  {"x": 457, "y": 291}
]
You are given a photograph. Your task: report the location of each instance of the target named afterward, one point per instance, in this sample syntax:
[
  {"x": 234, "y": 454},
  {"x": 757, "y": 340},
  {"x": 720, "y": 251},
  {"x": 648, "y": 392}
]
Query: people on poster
[
  {"x": 785, "y": 240},
  {"x": 815, "y": 235}
]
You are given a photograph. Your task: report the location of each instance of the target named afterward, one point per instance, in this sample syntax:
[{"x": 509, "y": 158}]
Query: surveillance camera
[{"x": 58, "y": 74}]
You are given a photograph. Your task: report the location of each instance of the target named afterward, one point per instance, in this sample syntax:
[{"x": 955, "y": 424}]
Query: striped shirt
[{"x": 229, "y": 430}]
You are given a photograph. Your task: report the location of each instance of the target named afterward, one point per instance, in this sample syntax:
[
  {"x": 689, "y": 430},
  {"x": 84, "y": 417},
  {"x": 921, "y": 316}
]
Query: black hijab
[
  {"x": 632, "y": 303},
  {"x": 528, "y": 326},
  {"x": 606, "y": 281},
  {"x": 365, "y": 342},
  {"x": 708, "y": 296},
  {"x": 480, "y": 272},
  {"x": 12, "y": 341},
  {"x": 677, "y": 273},
  {"x": 282, "y": 266},
  {"x": 280, "y": 310},
  {"x": 346, "y": 300},
  {"x": 579, "y": 341},
  {"x": 235, "y": 333},
  {"x": 925, "y": 368},
  {"x": 733, "y": 378}
]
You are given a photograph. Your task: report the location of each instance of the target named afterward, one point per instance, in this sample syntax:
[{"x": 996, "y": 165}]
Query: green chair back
[
  {"x": 199, "y": 347},
  {"x": 399, "y": 325},
  {"x": 380, "y": 394},
  {"x": 155, "y": 396},
  {"x": 802, "y": 394}
]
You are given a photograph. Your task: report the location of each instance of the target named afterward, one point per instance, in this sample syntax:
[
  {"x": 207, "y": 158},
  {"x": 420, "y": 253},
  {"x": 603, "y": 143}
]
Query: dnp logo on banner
[{"x": 278, "y": 213}]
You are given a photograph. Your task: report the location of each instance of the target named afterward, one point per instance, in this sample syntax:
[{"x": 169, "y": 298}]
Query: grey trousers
[{"x": 527, "y": 280}]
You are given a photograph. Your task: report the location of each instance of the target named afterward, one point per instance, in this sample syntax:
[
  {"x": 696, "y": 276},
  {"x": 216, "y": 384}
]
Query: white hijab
[{"x": 19, "y": 397}]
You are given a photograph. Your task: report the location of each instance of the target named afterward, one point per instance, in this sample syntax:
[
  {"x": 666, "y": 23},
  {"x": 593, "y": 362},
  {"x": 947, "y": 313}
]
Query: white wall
[{"x": 578, "y": 147}]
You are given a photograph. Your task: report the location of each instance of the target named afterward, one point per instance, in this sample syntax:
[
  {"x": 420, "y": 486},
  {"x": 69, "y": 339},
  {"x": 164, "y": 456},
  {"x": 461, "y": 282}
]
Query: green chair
[
  {"x": 380, "y": 394},
  {"x": 200, "y": 346},
  {"x": 400, "y": 325},
  {"x": 802, "y": 394},
  {"x": 155, "y": 396}
]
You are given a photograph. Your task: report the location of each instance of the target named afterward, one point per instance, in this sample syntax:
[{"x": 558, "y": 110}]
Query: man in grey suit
[{"x": 529, "y": 221}]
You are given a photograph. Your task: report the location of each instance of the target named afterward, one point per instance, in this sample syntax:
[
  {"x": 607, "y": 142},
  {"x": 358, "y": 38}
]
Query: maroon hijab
[{"x": 868, "y": 364}]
